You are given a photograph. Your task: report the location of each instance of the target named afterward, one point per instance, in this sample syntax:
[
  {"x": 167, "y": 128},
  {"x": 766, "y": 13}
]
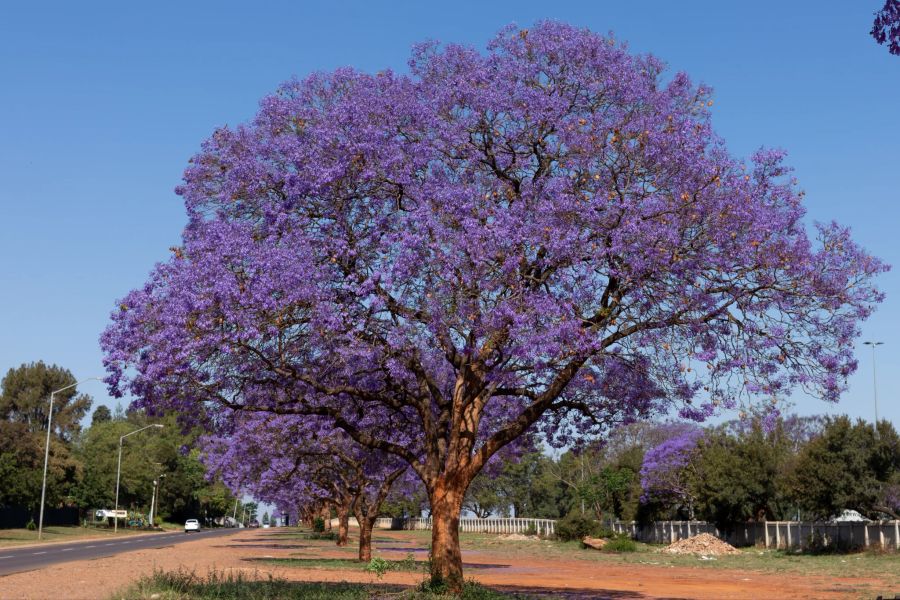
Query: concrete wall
[{"x": 772, "y": 534}]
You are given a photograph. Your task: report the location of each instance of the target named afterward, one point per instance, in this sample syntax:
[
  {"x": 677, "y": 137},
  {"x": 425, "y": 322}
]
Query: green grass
[
  {"x": 341, "y": 564},
  {"x": 881, "y": 566},
  {"x": 15, "y": 537},
  {"x": 187, "y": 585},
  {"x": 309, "y": 535},
  {"x": 861, "y": 564}
]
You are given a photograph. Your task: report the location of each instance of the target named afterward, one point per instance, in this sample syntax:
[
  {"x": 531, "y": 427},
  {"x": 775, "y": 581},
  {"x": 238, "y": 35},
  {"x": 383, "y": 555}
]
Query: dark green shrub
[
  {"x": 575, "y": 526},
  {"x": 318, "y": 524},
  {"x": 620, "y": 543},
  {"x": 605, "y": 532},
  {"x": 30, "y": 526}
]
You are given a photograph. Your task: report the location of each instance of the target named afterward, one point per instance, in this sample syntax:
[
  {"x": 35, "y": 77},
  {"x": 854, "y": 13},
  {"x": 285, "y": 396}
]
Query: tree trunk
[
  {"x": 365, "y": 538},
  {"x": 343, "y": 524},
  {"x": 446, "y": 559}
]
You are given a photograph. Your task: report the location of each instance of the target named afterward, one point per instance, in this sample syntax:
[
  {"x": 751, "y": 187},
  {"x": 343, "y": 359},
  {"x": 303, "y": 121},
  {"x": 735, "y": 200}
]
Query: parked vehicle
[
  {"x": 253, "y": 524},
  {"x": 191, "y": 525}
]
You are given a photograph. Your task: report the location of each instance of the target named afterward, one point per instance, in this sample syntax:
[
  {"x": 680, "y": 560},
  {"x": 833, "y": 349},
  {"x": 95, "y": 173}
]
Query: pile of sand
[
  {"x": 705, "y": 544},
  {"x": 518, "y": 537}
]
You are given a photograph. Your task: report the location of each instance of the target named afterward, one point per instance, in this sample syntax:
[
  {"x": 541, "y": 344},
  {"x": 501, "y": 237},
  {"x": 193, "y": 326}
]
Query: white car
[{"x": 191, "y": 525}]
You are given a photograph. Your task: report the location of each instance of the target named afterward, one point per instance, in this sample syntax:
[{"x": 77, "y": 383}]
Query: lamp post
[
  {"x": 156, "y": 485},
  {"x": 874, "y": 382},
  {"x": 47, "y": 450},
  {"x": 119, "y": 471}
]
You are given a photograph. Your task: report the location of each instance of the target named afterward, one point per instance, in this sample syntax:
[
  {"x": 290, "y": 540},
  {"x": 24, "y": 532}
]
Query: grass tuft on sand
[{"x": 187, "y": 585}]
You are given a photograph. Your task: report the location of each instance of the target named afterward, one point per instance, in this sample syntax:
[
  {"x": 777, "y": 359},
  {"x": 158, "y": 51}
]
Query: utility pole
[{"x": 874, "y": 382}]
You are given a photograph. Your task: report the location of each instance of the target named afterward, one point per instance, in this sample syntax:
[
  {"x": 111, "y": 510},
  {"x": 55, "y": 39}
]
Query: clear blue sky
[{"x": 102, "y": 105}]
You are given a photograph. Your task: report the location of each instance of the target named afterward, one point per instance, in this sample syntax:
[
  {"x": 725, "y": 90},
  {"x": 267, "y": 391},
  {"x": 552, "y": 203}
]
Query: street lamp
[
  {"x": 119, "y": 471},
  {"x": 156, "y": 484},
  {"x": 874, "y": 381},
  {"x": 47, "y": 450}
]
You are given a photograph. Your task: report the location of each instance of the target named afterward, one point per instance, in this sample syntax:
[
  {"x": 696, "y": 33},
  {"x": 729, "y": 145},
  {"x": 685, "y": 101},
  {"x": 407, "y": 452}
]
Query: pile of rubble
[{"x": 704, "y": 544}]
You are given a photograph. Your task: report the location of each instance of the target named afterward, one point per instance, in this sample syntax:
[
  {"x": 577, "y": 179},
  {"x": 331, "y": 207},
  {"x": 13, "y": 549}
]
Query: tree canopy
[
  {"x": 547, "y": 237},
  {"x": 25, "y": 398}
]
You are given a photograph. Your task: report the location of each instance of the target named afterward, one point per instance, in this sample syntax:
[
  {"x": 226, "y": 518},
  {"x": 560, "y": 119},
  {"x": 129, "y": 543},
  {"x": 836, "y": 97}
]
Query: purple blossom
[
  {"x": 886, "y": 28},
  {"x": 664, "y": 472}
]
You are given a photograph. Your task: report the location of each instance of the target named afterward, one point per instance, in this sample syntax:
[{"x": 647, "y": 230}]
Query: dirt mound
[
  {"x": 705, "y": 544},
  {"x": 518, "y": 537}
]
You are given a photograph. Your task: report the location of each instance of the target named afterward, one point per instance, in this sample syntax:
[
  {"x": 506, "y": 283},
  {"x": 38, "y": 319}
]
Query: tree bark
[
  {"x": 343, "y": 524},
  {"x": 326, "y": 517},
  {"x": 446, "y": 558},
  {"x": 366, "y": 524}
]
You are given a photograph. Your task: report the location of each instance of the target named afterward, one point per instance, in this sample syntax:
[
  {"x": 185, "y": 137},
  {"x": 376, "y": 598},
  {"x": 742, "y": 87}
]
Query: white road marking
[
  {"x": 91, "y": 546},
  {"x": 10, "y": 556},
  {"x": 36, "y": 553},
  {"x": 66, "y": 550}
]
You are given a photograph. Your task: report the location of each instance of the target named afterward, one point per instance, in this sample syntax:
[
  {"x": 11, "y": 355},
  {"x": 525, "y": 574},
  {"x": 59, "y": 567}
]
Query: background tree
[
  {"x": 184, "y": 493},
  {"x": 25, "y": 398},
  {"x": 21, "y": 461},
  {"x": 670, "y": 468},
  {"x": 530, "y": 488},
  {"x": 102, "y": 414},
  {"x": 545, "y": 237},
  {"x": 595, "y": 484},
  {"x": 741, "y": 475},
  {"x": 483, "y": 498},
  {"x": 403, "y": 504},
  {"x": 846, "y": 467}
]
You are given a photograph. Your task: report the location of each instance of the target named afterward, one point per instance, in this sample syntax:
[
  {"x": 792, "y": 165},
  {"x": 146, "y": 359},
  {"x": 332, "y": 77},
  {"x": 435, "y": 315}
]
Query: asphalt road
[{"x": 16, "y": 560}]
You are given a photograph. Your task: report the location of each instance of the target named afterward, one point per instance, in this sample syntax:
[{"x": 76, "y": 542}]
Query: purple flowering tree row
[{"x": 305, "y": 464}]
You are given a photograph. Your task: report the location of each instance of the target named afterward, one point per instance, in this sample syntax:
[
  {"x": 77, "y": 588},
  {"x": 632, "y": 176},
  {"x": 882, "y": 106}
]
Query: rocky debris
[
  {"x": 595, "y": 543},
  {"x": 703, "y": 544}
]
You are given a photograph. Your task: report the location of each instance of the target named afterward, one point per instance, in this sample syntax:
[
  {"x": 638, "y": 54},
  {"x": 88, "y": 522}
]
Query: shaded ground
[{"x": 538, "y": 568}]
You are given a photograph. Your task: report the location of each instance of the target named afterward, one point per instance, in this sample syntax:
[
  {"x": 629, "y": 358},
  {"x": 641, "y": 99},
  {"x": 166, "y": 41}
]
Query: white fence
[
  {"x": 772, "y": 534},
  {"x": 543, "y": 527},
  {"x": 768, "y": 534}
]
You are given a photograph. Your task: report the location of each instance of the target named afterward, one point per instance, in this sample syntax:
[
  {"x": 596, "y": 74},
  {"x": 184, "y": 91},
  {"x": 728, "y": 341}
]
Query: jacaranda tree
[
  {"x": 669, "y": 468},
  {"x": 547, "y": 236}
]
